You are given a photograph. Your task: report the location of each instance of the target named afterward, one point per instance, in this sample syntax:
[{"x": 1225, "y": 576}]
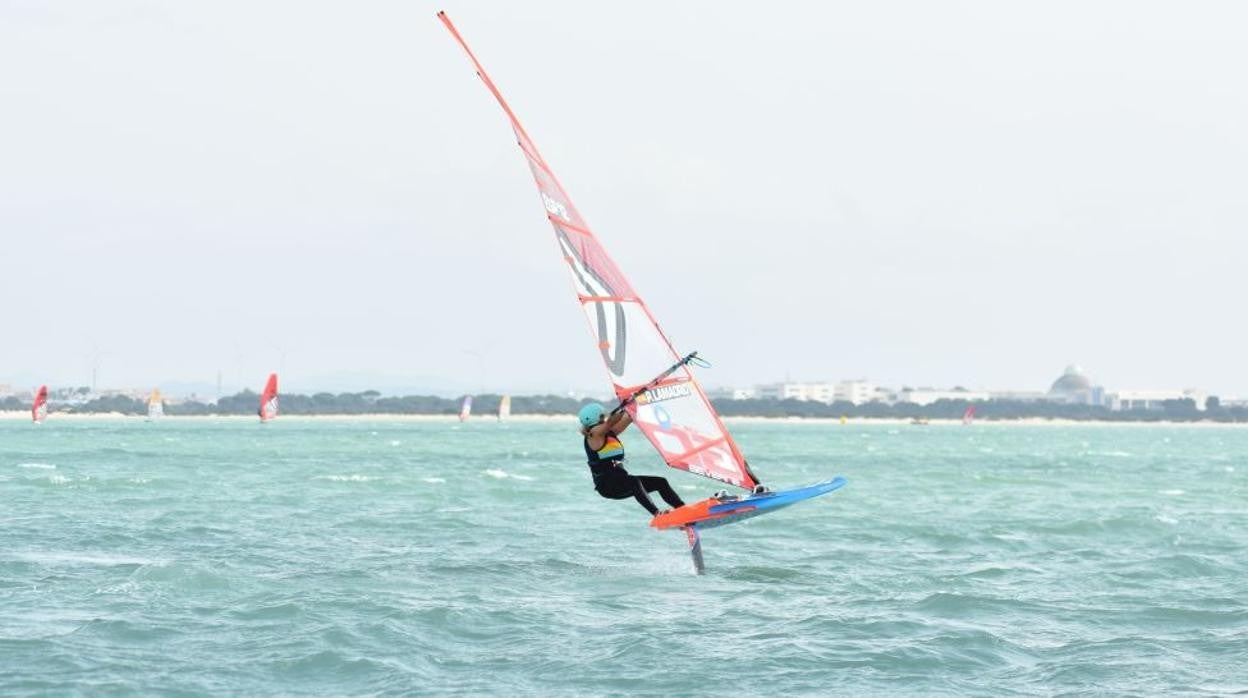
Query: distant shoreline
[{"x": 17, "y": 416}]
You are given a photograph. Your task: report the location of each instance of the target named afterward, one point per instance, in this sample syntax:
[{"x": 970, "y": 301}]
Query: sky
[{"x": 955, "y": 193}]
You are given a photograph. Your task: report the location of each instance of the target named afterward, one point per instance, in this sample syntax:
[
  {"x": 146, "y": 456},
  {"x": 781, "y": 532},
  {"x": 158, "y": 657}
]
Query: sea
[{"x": 353, "y": 557}]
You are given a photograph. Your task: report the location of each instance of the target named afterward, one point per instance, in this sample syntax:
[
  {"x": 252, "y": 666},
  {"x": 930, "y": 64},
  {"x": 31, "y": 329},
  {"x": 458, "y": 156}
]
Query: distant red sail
[
  {"x": 969, "y": 415},
  {"x": 39, "y": 410},
  {"x": 268, "y": 400},
  {"x": 675, "y": 415}
]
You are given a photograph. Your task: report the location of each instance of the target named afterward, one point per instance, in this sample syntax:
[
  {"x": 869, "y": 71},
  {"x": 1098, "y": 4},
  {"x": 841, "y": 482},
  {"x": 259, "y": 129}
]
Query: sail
[
  {"x": 39, "y": 410},
  {"x": 465, "y": 409},
  {"x": 504, "y": 408},
  {"x": 675, "y": 414},
  {"x": 969, "y": 415},
  {"x": 268, "y": 400},
  {"x": 155, "y": 405}
]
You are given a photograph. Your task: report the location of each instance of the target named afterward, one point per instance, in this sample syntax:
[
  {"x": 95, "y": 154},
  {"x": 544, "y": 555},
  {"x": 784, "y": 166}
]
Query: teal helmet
[{"x": 591, "y": 414}]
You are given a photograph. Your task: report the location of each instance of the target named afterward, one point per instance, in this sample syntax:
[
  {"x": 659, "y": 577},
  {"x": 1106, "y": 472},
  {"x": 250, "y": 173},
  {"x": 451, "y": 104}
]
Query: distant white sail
[
  {"x": 155, "y": 405},
  {"x": 465, "y": 410},
  {"x": 504, "y": 408}
]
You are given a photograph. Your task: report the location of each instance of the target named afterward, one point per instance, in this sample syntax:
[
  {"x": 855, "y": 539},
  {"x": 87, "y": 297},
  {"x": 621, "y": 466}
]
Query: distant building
[
  {"x": 926, "y": 396},
  {"x": 1074, "y": 387},
  {"x": 815, "y": 392},
  {"x": 856, "y": 391},
  {"x": 1152, "y": 399},
  {"x": 1019, "y": 395},
  {"x": 743, "y": 393},
  {"x": 722, "y": 393}
]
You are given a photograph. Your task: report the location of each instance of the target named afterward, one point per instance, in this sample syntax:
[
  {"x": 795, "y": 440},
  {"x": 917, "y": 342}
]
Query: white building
[
  {"x": 1151, "y": 399},
  {"x": 855, "y": 391},
  {"x": 926, "y": 396},
  {"x": 816, "y": 392},
  {"x": 1019, "y": 395}
]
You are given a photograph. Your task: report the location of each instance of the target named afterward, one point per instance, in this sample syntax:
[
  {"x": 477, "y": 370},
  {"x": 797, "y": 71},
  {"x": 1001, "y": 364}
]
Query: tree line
[{"x": 373, "y": 402}]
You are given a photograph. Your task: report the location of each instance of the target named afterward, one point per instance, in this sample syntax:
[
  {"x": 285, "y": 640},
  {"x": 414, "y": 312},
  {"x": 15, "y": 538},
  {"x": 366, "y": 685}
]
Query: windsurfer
[{"x": 606, "y": 457}]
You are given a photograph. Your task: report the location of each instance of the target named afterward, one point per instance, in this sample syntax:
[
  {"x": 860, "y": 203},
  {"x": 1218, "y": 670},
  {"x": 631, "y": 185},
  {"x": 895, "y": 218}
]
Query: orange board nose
[{"x": 688, "y": 514}]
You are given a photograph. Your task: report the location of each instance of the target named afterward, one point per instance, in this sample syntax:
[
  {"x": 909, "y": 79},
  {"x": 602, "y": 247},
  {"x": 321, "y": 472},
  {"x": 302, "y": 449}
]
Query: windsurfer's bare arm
[{"x": 619, "y": 421}]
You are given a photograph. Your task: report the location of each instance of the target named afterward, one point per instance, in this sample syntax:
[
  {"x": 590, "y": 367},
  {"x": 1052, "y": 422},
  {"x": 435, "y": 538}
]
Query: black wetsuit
[{"x": 612, "y": 481}]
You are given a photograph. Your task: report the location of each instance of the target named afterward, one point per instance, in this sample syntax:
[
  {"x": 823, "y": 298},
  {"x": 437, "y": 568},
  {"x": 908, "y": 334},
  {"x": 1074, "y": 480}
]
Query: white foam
[
  {"x": 433, "y": 480},
  {"x": 348, "y": 478},
  {"x": 1173, "y": 493},
  {"x": 84, "y": 558},
  {"x": 140, "y": 480},
  {"x": 503, "y": 474},
  {"x": 396, "y": 442},
  {"x": 1229, "y": 468},
  {"x": 37, "y": 466},
  {"x": 1166, "y": 519},
  {"x": 59, "y": 479}
]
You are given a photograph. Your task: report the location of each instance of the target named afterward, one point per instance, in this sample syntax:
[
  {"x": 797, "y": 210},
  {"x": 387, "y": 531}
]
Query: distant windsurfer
[{"x": 606, "y": 460}]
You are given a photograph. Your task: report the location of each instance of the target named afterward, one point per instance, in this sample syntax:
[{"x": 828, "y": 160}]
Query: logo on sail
[{"x": 666, "y": 392}]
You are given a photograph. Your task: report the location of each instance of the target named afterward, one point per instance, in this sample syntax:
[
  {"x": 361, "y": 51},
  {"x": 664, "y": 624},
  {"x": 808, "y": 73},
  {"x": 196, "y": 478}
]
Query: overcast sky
[{"x": 913, "y": 192}]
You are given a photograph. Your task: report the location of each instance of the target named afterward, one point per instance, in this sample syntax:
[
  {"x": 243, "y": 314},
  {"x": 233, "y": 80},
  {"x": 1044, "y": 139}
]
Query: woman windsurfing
[{"x": 606, "y": 460}]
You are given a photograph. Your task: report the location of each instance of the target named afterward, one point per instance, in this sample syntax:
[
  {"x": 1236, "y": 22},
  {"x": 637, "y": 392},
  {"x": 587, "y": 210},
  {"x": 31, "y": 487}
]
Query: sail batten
[{"x": 674, "y": 414}]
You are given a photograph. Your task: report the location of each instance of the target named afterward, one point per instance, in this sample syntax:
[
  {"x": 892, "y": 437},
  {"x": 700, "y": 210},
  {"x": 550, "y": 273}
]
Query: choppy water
[{"x": 416, "y": 558}]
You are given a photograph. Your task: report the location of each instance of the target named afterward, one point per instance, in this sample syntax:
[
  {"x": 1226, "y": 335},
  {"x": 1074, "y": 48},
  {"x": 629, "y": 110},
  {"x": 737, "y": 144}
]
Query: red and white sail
[
  {"x": 465, "y": 408},
  {"x": 39, "y": 409},
  {"x": 675, "y": 415},
  {"x": 268, "y": 400},
  {"x": 969, "y": 415}
]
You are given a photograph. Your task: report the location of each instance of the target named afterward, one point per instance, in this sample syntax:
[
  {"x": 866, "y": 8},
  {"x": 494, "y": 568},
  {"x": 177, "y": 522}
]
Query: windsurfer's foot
[
  {"x": 722, "y": 494},
  {"x": 760, "y": 489}
]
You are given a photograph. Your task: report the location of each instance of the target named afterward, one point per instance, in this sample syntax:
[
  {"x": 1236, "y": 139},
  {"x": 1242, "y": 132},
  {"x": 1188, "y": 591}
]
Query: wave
[
  {"x": 37, "y": 466},
  {"x": 348, "y": 478},
  {"x": 503, "y": 474}
]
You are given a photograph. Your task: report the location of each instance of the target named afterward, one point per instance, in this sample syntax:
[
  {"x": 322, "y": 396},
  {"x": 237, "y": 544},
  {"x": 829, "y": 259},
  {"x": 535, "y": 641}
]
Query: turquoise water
[{"x": 323, "y": 557}]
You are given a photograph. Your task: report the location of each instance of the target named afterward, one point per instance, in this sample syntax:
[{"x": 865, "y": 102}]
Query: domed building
[{"x": 1074, "y": 387}]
